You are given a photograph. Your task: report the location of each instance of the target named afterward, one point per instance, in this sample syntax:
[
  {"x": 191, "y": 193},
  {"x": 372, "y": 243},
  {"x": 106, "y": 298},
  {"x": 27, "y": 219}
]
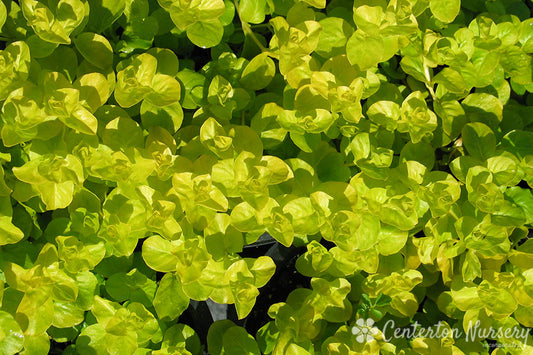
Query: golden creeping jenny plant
[{"x": 148, "y": 145}]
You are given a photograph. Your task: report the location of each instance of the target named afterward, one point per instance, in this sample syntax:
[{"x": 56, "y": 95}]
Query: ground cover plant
[{"x": 348, "y": 177}]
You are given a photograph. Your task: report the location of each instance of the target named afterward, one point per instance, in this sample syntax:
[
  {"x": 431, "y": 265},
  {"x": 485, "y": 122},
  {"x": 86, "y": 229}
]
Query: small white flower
[{"x": 364, "y": 330}]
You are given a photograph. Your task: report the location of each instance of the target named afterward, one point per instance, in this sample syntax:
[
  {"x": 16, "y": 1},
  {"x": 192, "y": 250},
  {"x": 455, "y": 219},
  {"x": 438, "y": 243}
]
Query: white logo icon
[{"x": 364, "y": 330}]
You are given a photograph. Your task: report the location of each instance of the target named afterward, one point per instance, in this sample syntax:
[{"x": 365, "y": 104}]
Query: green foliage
[{"x": 145, "y": 146}]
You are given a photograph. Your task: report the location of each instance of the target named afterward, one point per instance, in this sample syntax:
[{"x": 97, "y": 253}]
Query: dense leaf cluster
[{"x": 146, "y": 143}]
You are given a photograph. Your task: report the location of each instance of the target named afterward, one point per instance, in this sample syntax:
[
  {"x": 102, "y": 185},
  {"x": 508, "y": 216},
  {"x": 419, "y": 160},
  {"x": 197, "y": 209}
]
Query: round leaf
[
  {"x": 95, "y": 49},
  {"x": 445, "y": 10},
  {"x": 156, "y": 253},
  {"x": 258, "y": 73},
  {"x": 479, "y": 140},
  {"x": 364, "y": 51},
  {"x": 11, "y": 336},
  {"x": 237, "y": 341},
  {"x": 205, "y": 34}
]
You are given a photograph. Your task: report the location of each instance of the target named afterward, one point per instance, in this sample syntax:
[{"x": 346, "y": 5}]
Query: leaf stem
[
  {"x": 428, "y": 81},
  {"x": 254, "y": 26},
  {"x": 248, "y": 31}
]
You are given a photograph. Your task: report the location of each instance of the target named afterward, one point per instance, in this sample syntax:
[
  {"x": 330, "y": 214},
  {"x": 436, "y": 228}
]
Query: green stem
[
  {"x": 248, "y": 31},
  {"x": 428, "y": 81},
  {"x": 254, "y": 26},
  {"x": 260, "y": 25}
]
